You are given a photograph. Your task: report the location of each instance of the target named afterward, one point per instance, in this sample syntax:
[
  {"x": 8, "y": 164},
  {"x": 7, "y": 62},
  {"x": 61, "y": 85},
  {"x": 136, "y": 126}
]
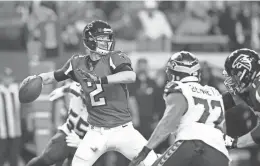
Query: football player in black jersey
[
  {"x": 103, "y": 74},
  {"x": 242, "y": 72}
]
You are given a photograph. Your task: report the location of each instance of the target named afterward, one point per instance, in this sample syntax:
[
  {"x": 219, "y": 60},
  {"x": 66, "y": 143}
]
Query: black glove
[
  {"x": 90, "y": 77},
  {"x": 141, "y": 156},
  {"x": 230, "y": 142}
]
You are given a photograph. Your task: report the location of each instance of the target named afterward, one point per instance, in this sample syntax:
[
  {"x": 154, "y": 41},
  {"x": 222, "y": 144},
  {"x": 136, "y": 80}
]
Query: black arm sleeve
[
  {"x": 228, "y": 100},
  {"x": 59, "y": 75},
  {"x": 122, "y": 67},
  {"x": 65, "y": 72}
]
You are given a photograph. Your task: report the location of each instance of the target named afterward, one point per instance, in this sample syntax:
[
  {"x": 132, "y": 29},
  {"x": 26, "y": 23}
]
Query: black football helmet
[
  {"x": 98, "y": 37},
  {"x": 183, "y": 66},
  {"x": 241, "y": 68}
]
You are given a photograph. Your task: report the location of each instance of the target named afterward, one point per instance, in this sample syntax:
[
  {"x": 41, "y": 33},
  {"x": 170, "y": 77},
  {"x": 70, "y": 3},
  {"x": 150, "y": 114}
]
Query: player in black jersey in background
[{"x": 242, "y": 71}]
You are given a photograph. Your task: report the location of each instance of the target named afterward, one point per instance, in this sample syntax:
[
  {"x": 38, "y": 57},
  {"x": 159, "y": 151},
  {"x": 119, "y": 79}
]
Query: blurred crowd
[{"x": 134, "y": 20}]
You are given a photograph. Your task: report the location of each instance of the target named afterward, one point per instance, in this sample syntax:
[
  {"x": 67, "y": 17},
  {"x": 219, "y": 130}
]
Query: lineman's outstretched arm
[{"x": 176, "y": 106}]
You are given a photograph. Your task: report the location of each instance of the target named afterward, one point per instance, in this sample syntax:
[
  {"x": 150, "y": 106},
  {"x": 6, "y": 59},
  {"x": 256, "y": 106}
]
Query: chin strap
[{"x": 101, "y": 51}]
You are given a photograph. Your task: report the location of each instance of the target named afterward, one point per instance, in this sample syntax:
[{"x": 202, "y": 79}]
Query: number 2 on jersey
[
  {"x": 214, "y": 104},
  {"x": 98, "y": 101}
]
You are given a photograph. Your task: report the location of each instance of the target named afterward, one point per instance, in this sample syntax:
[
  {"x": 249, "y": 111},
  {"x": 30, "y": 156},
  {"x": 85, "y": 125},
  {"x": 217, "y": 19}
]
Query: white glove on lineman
[
  {"x": 229, "y": 141},
  {"x": 57, "y": 93},
  {"x": 73, "y": 139}
]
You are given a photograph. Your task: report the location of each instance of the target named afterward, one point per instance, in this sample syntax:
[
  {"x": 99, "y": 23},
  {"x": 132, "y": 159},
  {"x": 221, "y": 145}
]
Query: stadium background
[{"x": 40, "y": 36}]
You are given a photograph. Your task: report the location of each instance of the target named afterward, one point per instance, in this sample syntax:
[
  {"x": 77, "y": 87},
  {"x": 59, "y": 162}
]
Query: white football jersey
[
  {"x": 205, "y": 111},
  {"x": 77, "y": 118}
]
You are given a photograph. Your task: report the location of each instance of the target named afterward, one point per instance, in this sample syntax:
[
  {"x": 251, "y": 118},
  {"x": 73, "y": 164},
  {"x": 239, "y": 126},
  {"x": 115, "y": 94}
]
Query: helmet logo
[
  {"x": 90, "y": 25},
  {"x": 188, "y": 63},
  {"x": 108, "y": 30},
  {"x": 242, "y": 61}
]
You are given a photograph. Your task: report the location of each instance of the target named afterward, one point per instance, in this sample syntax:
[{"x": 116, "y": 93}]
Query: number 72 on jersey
[{"x": 210, "y": 108}]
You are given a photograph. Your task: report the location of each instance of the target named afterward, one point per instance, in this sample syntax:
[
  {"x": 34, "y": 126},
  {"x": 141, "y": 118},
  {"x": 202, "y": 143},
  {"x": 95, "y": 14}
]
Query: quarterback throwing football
[{"x": 103, "y": 74}]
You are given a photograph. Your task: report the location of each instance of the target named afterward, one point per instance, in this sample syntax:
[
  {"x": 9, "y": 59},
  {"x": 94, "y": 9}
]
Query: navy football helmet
[
  {"x": 183, "y": 66},
  {"x": 241, "y": 68},
  {"x": 98, "y": 37}
]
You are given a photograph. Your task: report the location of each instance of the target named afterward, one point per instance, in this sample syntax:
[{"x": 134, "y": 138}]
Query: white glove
[
  {"x": 229, "y": 141},
  {"x": 57, "y": 93},
  {"x": 73, "y": 139}
]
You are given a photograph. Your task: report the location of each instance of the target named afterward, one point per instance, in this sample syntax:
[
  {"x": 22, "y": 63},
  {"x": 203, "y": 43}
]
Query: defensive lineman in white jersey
[
  {"x": 63, "y": 144},
  {"x": 195, "y": 112},
  {"x": 77, "y": 116}
]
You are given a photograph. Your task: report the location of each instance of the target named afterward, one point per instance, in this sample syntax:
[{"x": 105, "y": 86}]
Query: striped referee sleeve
[{"x": 10, "y": 118}]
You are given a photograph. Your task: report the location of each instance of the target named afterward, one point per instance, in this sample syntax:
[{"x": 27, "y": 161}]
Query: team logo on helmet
[
  {"x": 172, "y": 64},
  {"x": 242, "y": 61}
]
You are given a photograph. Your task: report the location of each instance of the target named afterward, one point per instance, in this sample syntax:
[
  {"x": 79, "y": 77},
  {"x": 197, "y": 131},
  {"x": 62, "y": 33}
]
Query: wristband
[
  {"x": 66, "y": 90},
  {"x": 234, "y": 144},
  {"x": 103, "y": 80},
  {"x": 145, "y": 150}
]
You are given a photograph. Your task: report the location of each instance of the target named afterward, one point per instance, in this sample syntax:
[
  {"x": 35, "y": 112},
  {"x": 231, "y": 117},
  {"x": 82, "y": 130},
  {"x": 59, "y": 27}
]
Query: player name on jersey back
[
  {"x": 205, "y": 112},
  {"x": 201, "y": 91}
]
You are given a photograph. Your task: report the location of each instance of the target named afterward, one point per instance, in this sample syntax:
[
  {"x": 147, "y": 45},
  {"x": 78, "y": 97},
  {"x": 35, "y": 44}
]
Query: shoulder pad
[
  {"x": 119, "y": 54},
  {"x": 172, "y": 87},
  {"x": 75, "y": 59},
  {"x": 117, "y": 58}
]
